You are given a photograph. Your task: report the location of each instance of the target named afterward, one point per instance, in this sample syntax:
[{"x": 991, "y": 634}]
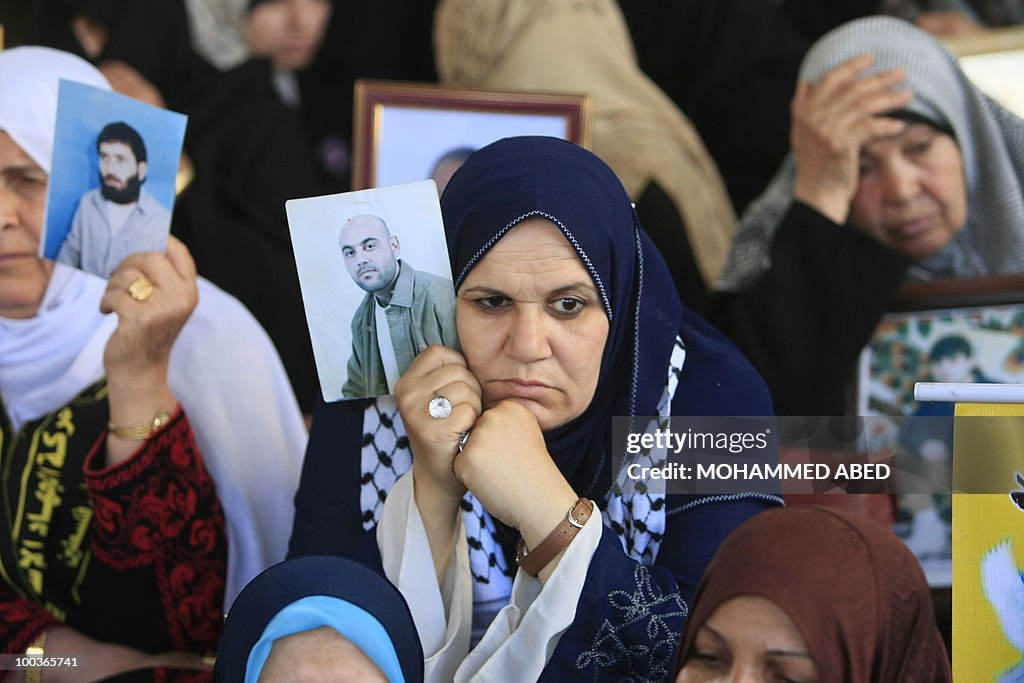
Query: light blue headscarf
[{"x": 312, "y": 612}]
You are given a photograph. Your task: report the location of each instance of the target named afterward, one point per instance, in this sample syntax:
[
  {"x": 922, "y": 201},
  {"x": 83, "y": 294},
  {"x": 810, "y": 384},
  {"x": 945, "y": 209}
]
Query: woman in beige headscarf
[{"x": 573, "y": 46}]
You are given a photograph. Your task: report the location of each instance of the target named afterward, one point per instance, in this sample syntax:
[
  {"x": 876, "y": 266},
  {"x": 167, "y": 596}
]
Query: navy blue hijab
[
  {"x": 515, "y": 179},
  {"x": 280, "y": 586}
]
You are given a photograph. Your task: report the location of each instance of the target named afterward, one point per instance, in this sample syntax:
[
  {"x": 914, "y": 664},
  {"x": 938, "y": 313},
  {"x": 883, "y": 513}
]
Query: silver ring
[
  {"x": 463, "y": 438},
  {"x": 439, "y": 407}
]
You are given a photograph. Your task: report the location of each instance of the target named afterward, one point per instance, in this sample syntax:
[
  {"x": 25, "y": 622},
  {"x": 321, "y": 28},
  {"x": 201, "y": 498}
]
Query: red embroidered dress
[{"x": 133, "y": 554}]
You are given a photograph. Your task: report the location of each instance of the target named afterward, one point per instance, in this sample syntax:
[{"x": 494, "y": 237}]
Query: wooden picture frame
[
  {"x": 982, "y": 310},
  {"x": 401, "y": 129}
]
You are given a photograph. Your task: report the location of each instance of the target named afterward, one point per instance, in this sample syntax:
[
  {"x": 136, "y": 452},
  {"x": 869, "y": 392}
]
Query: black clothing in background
[
  {"x": 250, "y": 156},
  {"x": 14, "y": 17},
  {"x": 249, "y": 152},
  {"x": 803, "y": 323},
  {"x": 730, "y": 66},
  {"x": 661, "y": 220},
  {"x": 383, "y": 39},
  {"x": 149, "y": 35},
  {"x": 815, "y": 18}
]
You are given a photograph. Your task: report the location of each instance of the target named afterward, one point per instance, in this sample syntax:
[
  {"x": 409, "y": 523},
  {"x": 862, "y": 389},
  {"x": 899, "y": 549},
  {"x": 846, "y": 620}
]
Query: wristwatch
[{"x": 533, "y": 561}]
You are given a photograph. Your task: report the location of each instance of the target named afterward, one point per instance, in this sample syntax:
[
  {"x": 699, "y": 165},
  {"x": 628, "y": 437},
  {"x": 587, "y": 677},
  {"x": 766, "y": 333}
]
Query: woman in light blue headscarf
[{"x": 320, "y": 618}]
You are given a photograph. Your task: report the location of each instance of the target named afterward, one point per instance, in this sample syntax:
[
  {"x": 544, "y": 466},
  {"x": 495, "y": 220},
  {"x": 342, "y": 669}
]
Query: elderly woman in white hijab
[
  {"x": 900, "y": 169},
  {"x": 113, "y": 543}
]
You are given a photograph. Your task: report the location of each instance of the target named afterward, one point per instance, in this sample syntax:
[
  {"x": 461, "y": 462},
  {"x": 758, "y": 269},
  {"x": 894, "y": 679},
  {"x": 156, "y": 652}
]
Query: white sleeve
[
  {"x": 228, "y": 377},
  {"x": 525, "y": 633},
  {"x": 443, "y": 614}
]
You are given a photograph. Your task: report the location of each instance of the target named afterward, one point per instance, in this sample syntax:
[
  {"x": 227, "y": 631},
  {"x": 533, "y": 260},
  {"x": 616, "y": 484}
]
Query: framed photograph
[
  {"x": 406, "y": 132},
  {"x": 969, "y": 330},
  {"x": 112, "y": 183},
  {"x": 376, "y": 284}
]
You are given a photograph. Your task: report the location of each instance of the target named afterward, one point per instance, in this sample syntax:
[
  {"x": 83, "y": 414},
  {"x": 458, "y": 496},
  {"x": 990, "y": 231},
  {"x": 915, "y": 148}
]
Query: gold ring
[{"x": 141, "y": 288}]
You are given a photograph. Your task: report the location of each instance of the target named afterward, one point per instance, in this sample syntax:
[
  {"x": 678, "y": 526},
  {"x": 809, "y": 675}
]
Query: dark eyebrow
[
  {"x": 361, "y": 244},
  {"x": 770, "y": 653},
  {"x": 713, "y": 632},
  {"x": 23, "y": 170},
  {"x": 577, "y": 288},
  {"x": 788, "y": 653}
]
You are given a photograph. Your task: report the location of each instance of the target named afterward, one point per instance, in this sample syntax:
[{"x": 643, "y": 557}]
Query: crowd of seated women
[{"x": 153, "y": 454}]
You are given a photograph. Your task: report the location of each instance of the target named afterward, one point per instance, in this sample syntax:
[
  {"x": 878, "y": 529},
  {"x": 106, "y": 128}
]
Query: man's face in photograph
[
  {"x": 370, "y": 252},
  {"x": 121, "y": 175}
]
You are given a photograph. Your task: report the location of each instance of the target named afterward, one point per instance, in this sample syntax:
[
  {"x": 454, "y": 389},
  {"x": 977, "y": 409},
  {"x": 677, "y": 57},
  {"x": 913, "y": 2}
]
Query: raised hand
[
  {"x": 438, "y": 371},
  {"x": 832, "y": 120},
  {"x": 153, "y": 295},
  {"x": 505, "y": 463},
  {"x": 148, "y": 322}
]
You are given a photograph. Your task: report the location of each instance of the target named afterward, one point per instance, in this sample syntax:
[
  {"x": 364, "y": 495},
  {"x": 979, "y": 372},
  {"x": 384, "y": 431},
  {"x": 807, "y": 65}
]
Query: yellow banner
[{"x": 988, "y": 545}]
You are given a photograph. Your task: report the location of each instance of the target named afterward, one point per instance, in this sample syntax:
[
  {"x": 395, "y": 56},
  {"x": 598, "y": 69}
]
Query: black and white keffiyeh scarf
[{"x": 637, "y": 517}]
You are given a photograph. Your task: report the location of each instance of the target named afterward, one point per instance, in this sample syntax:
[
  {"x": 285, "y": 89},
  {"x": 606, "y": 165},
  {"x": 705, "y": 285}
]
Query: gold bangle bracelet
[
  {"x": 37, "y": 648},
  {"x": 141, "y": 431}
]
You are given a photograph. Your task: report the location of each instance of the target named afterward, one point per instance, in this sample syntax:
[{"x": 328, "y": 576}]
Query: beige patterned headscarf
[{"x": 584, "y": 46}]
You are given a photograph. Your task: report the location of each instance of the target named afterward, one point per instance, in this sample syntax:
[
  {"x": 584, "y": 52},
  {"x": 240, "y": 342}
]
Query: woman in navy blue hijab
[{"x": 567, "y": 317}]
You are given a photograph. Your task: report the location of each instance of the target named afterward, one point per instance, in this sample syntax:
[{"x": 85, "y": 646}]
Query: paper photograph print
[
  {"x": 112, "y": 181},
  {"x": 376, "y": 284},
  {"x": 423, "y": 143},
  {"x": 976, "y": 344}
]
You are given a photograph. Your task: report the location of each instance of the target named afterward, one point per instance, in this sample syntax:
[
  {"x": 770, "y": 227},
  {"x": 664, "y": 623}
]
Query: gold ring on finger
[{"x": 141, "y": 288}]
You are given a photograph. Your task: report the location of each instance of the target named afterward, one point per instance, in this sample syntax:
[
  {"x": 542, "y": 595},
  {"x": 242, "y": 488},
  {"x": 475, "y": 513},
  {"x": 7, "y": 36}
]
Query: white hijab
[
  {"x": 217, "y": 28},
  {"x": 990, "y": 138},
  {"x": 223, "y": 368}
]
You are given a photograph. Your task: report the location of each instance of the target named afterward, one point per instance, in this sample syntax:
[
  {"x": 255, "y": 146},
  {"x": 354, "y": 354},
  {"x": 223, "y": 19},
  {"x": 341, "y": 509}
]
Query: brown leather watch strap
[{"x": 533, "y": 561}]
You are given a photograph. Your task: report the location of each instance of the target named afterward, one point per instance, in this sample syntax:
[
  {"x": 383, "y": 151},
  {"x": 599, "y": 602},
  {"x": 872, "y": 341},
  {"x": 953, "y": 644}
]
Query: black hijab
[{"x": 286, "y": 583}]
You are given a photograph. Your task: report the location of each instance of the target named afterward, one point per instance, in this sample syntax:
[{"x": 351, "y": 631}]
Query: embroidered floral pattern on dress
[
  {"x": 661, "y": 617},
  {"x": 165, "y": 514}
]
